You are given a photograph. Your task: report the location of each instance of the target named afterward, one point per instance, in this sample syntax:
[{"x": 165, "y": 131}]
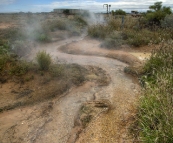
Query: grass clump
[
  {"x": 154, "y": 117},
  {"x": 44, "y": 60}
]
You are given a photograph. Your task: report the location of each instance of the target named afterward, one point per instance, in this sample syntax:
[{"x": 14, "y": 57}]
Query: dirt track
[{"x": 53, "y": 121}]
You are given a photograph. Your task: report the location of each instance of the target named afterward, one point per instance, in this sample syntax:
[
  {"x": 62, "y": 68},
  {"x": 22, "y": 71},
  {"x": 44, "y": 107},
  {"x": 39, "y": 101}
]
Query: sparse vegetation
[
  {"x": 135, "y": 31},
  {"x": 58, "y": 78},
  {"x": 154, "y": 114}
]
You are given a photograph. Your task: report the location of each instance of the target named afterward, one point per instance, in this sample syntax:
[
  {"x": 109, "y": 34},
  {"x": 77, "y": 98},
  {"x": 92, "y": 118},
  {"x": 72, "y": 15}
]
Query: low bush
[
  {"x": 19, "y": 68},
  {"x": 44, "y": 60}
]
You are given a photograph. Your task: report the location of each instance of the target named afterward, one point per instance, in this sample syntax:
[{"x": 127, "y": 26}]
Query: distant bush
[
  {"x": 167, "y": 22},
  {"x": 44, "y": 60},
  {"x": 119, "y": 12}
]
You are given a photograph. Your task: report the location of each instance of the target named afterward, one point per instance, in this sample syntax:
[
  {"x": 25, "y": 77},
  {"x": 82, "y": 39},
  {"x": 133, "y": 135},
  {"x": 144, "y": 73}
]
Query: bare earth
[{"x": 53, "y": 121}]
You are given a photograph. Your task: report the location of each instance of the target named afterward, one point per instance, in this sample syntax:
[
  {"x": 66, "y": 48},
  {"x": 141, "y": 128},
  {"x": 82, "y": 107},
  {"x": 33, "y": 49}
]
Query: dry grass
[{"x": 154, "y": 116}]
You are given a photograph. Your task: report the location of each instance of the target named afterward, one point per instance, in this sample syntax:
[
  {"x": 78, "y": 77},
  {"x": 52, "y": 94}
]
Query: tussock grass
[{"x": 155, "y": 111}]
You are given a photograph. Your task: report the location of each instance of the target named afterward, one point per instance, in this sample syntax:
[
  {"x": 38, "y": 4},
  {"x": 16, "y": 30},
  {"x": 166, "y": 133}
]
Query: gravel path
[{"x": 55, "y": 126}]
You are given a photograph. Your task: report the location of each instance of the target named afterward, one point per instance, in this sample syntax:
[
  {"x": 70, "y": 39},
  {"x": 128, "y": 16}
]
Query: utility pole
[
  {"x": 109, "y": 8},
  {"x": 106, "y": 7}
]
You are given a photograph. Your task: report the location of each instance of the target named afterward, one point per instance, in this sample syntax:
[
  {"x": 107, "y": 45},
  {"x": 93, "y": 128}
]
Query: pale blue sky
[{"x": 92, "y": 5}]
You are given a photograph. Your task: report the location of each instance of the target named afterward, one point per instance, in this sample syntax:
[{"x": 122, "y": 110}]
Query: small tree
[{"x": 157, "y": 13}]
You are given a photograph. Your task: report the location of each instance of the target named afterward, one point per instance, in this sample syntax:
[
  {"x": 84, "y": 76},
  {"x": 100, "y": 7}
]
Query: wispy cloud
[{"x": 6, "y": 2}]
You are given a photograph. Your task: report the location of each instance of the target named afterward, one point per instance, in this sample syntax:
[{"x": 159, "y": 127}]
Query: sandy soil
[
  {"x": 7, "y": 25},
  {"x": 53, "y": 121}
]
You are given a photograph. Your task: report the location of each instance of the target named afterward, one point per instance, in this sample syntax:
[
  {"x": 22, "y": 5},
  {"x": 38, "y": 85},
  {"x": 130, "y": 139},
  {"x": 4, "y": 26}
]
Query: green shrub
[
  {"x": 157, "y": 13},
  {"x": 44, "y": 60}
]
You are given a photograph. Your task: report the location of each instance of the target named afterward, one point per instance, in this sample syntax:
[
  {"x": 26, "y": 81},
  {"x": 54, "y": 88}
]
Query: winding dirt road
[{"x": 30, "y": 125}]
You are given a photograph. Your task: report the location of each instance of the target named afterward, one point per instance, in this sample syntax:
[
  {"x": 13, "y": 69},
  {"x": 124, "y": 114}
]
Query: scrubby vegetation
[
  {"x": 157, "y": 13},
  {"x": 56, "y": 78},
  {"x": 16, "y": 42},
  {"x": 154, "y": 116},
  {"x": 135, "y": 31},
  {"x": 33, "y": 28}
]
